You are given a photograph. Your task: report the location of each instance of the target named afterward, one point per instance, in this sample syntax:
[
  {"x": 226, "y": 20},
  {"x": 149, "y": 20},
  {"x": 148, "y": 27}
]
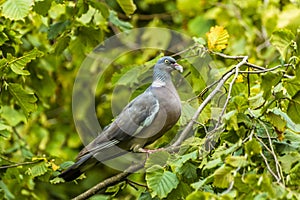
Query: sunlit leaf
[
  {"x": 277, "y": 121},
  {"x": 288, "y": 160},
  {"x": 16, "y": 9},
  {"x": 223, "y": 177},
  {"x": 236, "y": 161},
  {"x": 127, "y": 6},
  {"x": 102, "y": 7},
  {"x": 25, "y": 99},
  {"x": 289, "y": 122},
  {"x": 295, "y": 174},
  {"x": 37, "y": 170},
  {"x": 17, "y": 65},
  {"x": 281, "y": 39},
  {"x": 217, "y": 38},
  {"x": 180, "y": 160},
  {"x": 12, "y": 116},
  {"x": 202, "y": 195},
  {"x": 3, "y": 37}
]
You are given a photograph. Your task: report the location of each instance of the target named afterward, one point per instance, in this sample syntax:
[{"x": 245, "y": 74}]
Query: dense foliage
[{"x": 251, "y": 151}]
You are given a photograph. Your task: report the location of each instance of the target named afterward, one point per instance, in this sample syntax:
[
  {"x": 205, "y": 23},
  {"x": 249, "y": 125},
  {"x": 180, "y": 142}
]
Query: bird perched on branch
[{"x": 145, "y": 119}]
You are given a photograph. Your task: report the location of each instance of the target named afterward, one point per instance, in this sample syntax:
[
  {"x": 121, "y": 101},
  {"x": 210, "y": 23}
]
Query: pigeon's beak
[{"x": 178, "y": 67}]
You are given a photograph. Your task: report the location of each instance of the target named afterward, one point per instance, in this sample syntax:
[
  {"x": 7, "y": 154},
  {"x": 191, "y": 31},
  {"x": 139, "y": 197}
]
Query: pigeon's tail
[{"x": 78, "y": 168}]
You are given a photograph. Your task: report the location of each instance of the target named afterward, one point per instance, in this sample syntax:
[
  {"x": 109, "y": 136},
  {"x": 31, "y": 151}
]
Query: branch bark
[{"x": 108, "y": 182}]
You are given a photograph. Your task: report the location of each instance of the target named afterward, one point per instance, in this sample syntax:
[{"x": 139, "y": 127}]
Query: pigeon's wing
[{"x": 138, "y": 114}]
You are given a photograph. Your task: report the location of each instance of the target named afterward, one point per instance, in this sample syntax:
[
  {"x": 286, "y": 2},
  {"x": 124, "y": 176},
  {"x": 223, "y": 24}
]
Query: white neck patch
[{"x": 158, "y": 83}]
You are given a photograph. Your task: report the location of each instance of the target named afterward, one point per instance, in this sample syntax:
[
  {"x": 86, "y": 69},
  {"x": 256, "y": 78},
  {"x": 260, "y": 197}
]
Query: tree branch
[
  {"x": 19, "y": 164},
  {"x": 108, "y": 182}
]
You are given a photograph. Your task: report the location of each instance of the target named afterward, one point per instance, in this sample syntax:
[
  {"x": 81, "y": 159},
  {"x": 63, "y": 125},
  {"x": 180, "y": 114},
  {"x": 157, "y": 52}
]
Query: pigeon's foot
[{"x": 149, "y": 151}]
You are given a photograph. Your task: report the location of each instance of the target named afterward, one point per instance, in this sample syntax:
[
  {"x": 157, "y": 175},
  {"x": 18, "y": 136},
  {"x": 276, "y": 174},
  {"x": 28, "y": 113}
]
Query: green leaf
[
  {"x": 66, "y": 164},
  {"x": 61, "y": 44},
  {"x": 289, "y": 122},
  {"x": 188, "y": 112},
  {"x": 128, "y": 76},
  {"x": 113, "y": 18},
  {"x": 295, "y": 175},
  {"x": 289, "y": 160},
  {"x": 101, "y": 7},
  {"x": 3, "y": 37},
  {"x": 268, "y": 81},
  {"x": 252, "y": 147},
  {"x": 12, "y": 116},
  {"x": 223, "y": 177},
  {"x": 16, "y": 9},
  {"x": 188, "y": 171},
  {"x": 236, "y": 161},
  {"x": 294, "y": 108},
  {"x": 38, "y": 169},
  {"x": 5, "y": 131},
  {"x": 201, "y": 195},
  {"x": 158, "y": 158},
  {"x": 24, "y": 98},
  {"x": 183, "y": 189},
  {"x": 281, "y": 39},
  {"x": 277, "y": 121},
  {"x": 146, "y": 196},
  {"x": 7, "y": 193},
  {"x": 161, "y": 182},
  {"x": 181, "y": 159},
  {"x": 199, "y": 184},
  {"x": 57, "y": 28},
  {"x": 116, "y": 188},
  {"x": 256, "y": 101},
  {"x": 42, "y": 7},
  {"x": 17, "y": 64},
  {"x": 57, "y": 180},
  {"x": 127, "y": 6},
  {"x": 199, "y": 26},
  {"x": 213, "y": 163}
]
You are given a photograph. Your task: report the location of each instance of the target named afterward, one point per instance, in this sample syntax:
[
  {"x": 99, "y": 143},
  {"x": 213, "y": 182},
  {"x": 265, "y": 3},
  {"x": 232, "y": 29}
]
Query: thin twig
[
  {"x": 269, "y": 168},
  {"x": 108, "y": 182},
  {"x": 230, "y": 88},
  {"x": 18, "y": 164},
  {"x": 277, "y": 164},
  {"x": 265, "y": 69},
  {"x": 279, "y": 175}
]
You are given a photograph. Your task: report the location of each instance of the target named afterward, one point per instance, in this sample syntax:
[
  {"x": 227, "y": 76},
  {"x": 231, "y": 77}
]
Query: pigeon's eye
[{"x": 167, "y": 61}]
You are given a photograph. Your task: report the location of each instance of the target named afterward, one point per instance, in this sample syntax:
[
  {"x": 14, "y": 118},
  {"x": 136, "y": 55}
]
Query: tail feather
[{"x": 84, "y": 163}]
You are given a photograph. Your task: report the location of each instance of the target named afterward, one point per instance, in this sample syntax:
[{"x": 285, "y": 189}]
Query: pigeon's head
[{"x": 169, "y": 64}]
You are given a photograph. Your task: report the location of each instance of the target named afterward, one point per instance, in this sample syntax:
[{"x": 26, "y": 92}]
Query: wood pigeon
[{"x": 145, "y": 119}]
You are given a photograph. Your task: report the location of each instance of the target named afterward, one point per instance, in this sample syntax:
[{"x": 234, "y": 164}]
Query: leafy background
[{"x": 43, "y": 44}]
